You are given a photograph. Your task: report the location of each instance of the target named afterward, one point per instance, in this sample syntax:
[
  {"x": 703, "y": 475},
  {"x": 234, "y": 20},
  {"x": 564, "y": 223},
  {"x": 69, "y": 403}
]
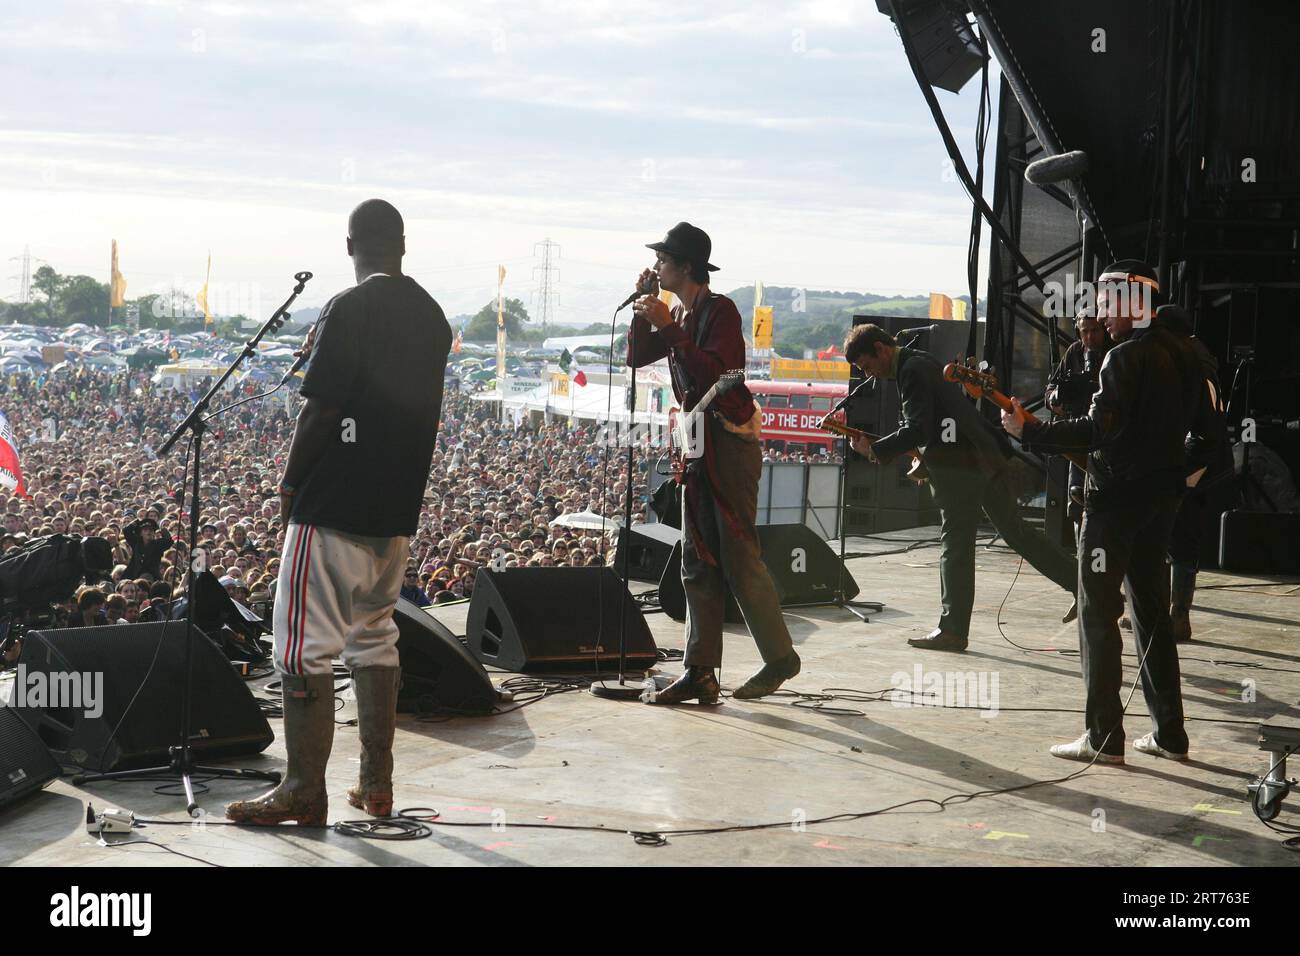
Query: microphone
[
  {"x": 294, "y": 369},
  {"x": 918, "y": 330},
  {"x": 1054, "y": 169},
  {"x": 636, "y": 295}
]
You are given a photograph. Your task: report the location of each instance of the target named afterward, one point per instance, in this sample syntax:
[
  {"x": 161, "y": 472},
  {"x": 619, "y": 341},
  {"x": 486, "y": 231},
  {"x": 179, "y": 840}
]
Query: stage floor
[{"x": 573, "y": 759}]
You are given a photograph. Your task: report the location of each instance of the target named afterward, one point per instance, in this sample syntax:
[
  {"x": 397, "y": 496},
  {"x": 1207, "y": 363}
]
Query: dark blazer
[{"x": 961, "y": 450}]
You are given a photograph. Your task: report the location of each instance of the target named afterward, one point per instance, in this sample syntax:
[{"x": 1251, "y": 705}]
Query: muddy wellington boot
[
  {"x": 308, "y": 737},
  {"x": 1182, "y": 588},
  {"x": 376, "y": 689}
]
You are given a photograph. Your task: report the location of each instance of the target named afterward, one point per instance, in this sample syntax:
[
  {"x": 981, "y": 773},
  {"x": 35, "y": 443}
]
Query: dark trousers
[
  {"x": 1127, "y": 544},
  {"x": 740, "y": 567},
  {"x": 957, "y": 562}
]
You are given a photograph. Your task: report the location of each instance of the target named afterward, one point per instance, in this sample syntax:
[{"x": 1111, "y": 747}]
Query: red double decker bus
[{"x": 791, "y": 411}]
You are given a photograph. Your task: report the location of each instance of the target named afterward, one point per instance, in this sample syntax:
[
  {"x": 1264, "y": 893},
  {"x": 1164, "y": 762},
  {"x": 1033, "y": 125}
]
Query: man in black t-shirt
[{"x": 350, "y": 496}]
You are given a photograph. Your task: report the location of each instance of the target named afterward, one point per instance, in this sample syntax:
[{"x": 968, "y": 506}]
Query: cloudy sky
[{"x": 794, "y": 133}]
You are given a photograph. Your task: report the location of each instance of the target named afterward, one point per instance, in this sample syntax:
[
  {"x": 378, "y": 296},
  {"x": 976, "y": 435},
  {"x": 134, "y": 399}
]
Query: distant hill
[{"x": 815, "y": 319}]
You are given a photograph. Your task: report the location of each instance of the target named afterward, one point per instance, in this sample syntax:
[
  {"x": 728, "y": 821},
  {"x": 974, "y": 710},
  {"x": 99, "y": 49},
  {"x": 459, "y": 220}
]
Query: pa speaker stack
[
  {"x": 127, "y": 712},
  {"x": 555, "y": 620},
  {"x": 804, "y": 570}
]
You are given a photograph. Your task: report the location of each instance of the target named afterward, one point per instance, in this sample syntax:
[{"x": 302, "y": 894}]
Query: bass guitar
[
  {"x": 980, "y": 384},
  {"x": 916, "y": 473}
]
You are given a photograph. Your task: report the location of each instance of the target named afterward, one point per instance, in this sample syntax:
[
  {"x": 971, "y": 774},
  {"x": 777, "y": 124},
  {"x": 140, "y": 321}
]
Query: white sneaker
[
  {"x": 1148, "y": 745},
  {"x": 1082, "y": 749}
]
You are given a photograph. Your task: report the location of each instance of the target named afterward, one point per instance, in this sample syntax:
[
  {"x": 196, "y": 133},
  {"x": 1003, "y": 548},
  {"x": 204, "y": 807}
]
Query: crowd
[{"x": 86, "y": 441}]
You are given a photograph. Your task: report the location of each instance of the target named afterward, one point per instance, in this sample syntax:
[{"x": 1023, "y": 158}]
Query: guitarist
[
  {"x": 701, "y": 339},
  {"x": 1152, "y": 397},
  {"x": 967, "y": 464}
]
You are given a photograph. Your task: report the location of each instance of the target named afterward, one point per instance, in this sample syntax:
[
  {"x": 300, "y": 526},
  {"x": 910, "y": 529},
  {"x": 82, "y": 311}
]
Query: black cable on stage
[{"x": 161, "y": 846}]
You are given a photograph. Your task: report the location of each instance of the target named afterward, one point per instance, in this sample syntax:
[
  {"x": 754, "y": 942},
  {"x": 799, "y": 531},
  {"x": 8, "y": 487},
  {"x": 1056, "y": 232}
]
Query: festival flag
[
  {"x": 959, "y": 307},
  {"x": 460, "y": 340},
  {"x": 940, "y": 306},
  {"x": 203, "y": 296},
  {"x": 570, "y": 368},
  {"x": 501, "y": 328},
  {"x": 117, "y": 284},
  {"x": 11, "y": 471},
  {"x": 762, "y": 331}
]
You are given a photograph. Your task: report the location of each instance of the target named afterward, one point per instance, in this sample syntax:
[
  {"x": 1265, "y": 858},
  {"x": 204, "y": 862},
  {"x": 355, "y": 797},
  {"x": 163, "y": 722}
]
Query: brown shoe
[
  {"x": 698, "y": 683},
  {"x": 376, "y": 689},
  {"x": 769, "y": 679},
  {"x": 308, "y": 737}
]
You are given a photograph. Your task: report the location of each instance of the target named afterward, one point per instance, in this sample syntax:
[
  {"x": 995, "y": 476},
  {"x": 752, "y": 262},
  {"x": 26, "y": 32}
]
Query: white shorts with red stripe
[{"x": 335, "y": 596}]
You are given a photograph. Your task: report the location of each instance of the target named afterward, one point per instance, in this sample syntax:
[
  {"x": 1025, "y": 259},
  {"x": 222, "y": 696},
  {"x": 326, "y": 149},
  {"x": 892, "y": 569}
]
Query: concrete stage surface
[{"x": 574, "y": 759}]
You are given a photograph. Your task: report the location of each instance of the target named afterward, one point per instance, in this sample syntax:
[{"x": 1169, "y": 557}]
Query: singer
[
  {"x": 351, "y": 495},
  {"x": 701, "y": 338}
]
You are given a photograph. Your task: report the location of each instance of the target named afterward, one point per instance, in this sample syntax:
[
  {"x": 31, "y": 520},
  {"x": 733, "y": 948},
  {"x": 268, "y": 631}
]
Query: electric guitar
[
  {"x": 917, "y": 472},
  {"x": 980, "y": 384},
  {"x": 686, "y": 443}
]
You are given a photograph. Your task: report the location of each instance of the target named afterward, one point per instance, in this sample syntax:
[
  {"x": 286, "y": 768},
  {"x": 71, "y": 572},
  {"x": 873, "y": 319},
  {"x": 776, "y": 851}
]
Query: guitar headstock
[
  {"x": 976, "y": 381},
  {"x": 729, "y": 380}
]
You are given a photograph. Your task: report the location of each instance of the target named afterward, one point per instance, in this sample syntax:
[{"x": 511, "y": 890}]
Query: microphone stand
[
  {"x": 182, "y": 757},
  {"x": 859, "y": 609},
  {"x": 623, "y": 690}
]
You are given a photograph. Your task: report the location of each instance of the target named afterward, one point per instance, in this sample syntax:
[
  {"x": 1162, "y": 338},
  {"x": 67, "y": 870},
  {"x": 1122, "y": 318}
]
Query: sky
[{"x": 793, "y": 133}]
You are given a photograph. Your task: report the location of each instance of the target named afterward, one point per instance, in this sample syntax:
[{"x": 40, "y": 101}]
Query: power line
[{"x": 547, "y": 294}]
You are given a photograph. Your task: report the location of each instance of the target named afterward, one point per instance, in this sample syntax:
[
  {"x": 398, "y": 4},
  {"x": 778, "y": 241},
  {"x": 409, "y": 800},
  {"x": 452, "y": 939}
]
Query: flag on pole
[
  {"x": 460, "y": 340},
  {"x": 762, "y": 331},
  {"x": 11, "y": 471},
  {"x": 940, "y": 306},
  {"x": 501, "y": 328},
  {"x": 117, "y": 284},
  {"x": 570, "y": 368},
  {"x": 203, "y": 296}
]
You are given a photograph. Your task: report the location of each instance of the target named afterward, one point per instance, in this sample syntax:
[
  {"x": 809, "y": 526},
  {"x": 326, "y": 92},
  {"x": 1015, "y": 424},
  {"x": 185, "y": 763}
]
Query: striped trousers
[{"x": 335, "y": 596}]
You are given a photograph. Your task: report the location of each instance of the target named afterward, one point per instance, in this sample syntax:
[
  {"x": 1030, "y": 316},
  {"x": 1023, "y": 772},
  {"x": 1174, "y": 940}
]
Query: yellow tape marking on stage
[
  {"x": 1211, "y": 808},
  {"x": 999, "y": 834}
]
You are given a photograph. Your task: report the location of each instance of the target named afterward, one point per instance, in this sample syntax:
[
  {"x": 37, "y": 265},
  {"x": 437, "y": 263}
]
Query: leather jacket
[{"x": 1150, "y": 400}]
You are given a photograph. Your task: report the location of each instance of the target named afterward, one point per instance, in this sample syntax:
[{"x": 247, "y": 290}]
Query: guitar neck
[{"x": 846, "y": 431}]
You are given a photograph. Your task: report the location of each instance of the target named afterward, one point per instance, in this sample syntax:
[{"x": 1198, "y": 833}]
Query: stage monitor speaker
[
  {"x": 26, "y": 764},
  {"x": 651, "y": 547},
  {"x": 439, "y": 674},
  {"x": 804, "y": 570},
  {"x": 555, "y": 620},
  {"x": 1261, "y": 542},
  {"x": 136, "y": 675},
  {"x": 672, "y": 596}
]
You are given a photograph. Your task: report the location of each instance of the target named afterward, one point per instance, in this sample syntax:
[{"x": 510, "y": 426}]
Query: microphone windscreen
[{"x": 1058, "y": 168}]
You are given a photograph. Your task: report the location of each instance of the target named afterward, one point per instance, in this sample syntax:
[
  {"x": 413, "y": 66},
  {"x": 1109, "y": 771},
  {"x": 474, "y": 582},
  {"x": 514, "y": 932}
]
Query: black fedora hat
[{"x": 688, "y": 242}]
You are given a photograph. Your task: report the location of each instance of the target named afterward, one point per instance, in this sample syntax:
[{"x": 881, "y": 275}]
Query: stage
[{"x": 576, "y": 760}]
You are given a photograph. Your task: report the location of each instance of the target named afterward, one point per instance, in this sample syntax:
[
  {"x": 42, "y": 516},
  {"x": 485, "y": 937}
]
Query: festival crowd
[{"x": 86, "y": 441}]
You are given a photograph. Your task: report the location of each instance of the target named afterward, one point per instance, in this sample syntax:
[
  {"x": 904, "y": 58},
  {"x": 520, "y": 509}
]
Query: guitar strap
[{"x": 682, "y": 381}]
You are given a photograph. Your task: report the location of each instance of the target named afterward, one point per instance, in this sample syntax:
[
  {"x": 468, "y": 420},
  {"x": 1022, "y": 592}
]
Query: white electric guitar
[{"x": 686, "y": 437}]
